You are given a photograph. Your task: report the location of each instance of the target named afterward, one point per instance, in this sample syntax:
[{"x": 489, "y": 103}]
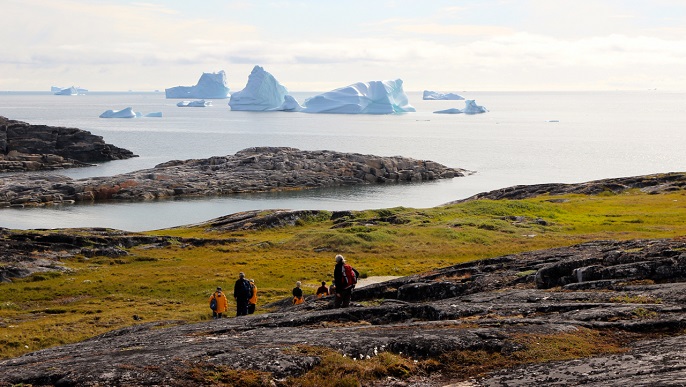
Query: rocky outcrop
[
  {"x": 26, "y": 147},
  {"x": 23, "y": 253},
  {"x": 654, "y": 184},
  {"x": 250, "y": 170},
  {"x": 478, "y": 306}
]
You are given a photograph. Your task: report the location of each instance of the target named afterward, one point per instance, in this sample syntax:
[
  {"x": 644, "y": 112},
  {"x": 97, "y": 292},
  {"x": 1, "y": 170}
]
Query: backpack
[
  {"x": 349, "y": 277},
  {"x": 213, "y": 304},
  {"x": 247, "y": 289}
]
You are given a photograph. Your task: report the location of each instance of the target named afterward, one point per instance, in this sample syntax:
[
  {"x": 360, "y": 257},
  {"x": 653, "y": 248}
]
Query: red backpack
[{"x": 349, "y": 276}]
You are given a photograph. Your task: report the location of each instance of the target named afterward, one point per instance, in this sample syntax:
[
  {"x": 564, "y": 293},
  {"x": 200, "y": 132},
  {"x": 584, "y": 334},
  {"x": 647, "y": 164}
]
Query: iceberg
[
  {"x": 289, "y": 104},
  {"x": 123, "y": 113},
  {"x": 198, "y": 103},
  {"x": 67, "y": 90},
  {"x": 449, "y": 111},
  {"x": 472, "y": 108},
  {"x": 210, "y": 85},
  {"x": 433, "y": 95},
  {"x": 128, "y": 113},
  {"x": 374, "y": 97},
  {"x": 262, "y": 93}
]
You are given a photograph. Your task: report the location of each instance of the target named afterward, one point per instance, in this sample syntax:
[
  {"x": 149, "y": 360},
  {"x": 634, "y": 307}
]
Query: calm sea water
[{"x": 526, "y": 138}]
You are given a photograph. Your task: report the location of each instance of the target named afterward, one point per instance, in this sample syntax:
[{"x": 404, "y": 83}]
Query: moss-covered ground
[{"x": 173, "y": 283}]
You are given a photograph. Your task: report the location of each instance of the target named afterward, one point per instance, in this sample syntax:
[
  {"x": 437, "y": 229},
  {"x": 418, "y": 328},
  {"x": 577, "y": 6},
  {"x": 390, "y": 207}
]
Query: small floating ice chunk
[
  {"x": 472, "y": 108},
  {"x": 449, "y": 111},
  {"x": 198, "y": 103},
  {"x": 127, "y": 113},
  {"x": 123, "y": 113}
]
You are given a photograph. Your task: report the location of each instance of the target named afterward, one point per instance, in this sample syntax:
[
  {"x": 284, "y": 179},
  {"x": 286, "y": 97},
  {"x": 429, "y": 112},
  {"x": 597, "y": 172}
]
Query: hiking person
[
  {"x": 252, "y": 302},
  {"x": 322, "y": 290},
  {"x": 344, "y": 278},
  {"x": 220, "y": 303},
  {"x": 242, "y": 293},
  {"x": 332, "y": 288},
  {"x": 298, "y": 294}
]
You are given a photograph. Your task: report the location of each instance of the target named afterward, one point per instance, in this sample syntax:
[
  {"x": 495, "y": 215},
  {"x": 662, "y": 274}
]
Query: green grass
[{"x": 174, "y": 283}]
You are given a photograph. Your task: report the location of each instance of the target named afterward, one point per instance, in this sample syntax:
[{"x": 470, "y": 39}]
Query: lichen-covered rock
[
  {"x": 657, "y": 183},
  {"x": 476, "y": 306}
]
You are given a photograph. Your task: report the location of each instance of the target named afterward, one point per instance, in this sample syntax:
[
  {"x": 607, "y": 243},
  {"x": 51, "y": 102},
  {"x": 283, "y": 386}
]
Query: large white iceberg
[
  {"x": 434, "y": 95},
  {"x": 210, "y": 85},
  {"x": 198, "y": 103},
  {"x": 374, "y": 97},
  {"x": 127, "y": 113},
  {"x": 262, "y": 92}
]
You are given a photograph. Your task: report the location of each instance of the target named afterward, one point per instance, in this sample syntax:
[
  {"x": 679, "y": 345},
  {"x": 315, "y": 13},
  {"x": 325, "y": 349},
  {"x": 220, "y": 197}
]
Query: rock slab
[
  {"x": 261, "y": 169},
  {"x": 27, "y": 147}
]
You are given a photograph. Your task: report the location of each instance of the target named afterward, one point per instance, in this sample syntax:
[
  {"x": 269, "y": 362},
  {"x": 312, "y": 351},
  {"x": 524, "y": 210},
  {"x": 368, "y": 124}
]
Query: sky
[{"x": 320, "y": 45}]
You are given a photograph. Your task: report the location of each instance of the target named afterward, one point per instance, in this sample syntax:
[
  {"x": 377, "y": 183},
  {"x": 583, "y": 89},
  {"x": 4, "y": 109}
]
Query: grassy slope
[{"x": 102, "y": 294}]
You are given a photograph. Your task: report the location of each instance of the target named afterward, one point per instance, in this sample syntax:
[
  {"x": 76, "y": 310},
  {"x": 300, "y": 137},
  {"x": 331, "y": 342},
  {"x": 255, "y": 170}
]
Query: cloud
[
  {"x": 459, "y": 30},
  {"x": 94, "y": 33},
  {"x": 153, "y": 45}
]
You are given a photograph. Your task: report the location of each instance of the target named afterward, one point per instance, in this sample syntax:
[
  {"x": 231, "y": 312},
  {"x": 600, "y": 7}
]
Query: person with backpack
[
  {"x": 298, "y": 294},
  {"x": 345, "y": 279},
  {"x": 218, "y": 303},
  {"x": 252, "y": 302},
  {"x": 322, "y": 290},
  {"x": 242, "y": 293}
]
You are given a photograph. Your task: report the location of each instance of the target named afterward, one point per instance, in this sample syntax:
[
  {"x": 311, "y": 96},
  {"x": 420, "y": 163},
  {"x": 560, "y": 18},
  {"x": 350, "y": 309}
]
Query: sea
[{"x": 524, "y": 138}]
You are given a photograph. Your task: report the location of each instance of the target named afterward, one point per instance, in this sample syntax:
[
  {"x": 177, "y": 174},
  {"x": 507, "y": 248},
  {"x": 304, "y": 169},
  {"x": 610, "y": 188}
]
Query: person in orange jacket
[
  {"x": 322, "y": 290},
  {"x": 252, "y": 302},
  {"x": 298, "y": 297},
  {"x": 222, "y": 303}
]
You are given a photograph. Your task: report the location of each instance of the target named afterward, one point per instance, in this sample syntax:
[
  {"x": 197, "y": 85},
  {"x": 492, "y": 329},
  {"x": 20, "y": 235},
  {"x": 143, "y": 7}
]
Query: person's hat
[{"x": 241, "y": 274}]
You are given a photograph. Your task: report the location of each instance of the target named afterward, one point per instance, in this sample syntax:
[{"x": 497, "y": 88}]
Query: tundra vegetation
[{"x": 173, "y": 283}]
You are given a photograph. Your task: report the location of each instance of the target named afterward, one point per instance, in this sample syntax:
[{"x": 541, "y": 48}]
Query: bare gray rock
[
  {"x": 250, "y": 170},
  {"x": 26, "y": 147}
]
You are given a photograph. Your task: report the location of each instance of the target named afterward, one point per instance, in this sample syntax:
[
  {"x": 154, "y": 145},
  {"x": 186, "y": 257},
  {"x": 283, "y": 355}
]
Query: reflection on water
[{"x": 141, "y": 216}]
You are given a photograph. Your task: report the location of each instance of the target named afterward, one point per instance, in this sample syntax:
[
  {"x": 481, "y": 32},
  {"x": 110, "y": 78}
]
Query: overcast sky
[{"x": 319, "y": 45}]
